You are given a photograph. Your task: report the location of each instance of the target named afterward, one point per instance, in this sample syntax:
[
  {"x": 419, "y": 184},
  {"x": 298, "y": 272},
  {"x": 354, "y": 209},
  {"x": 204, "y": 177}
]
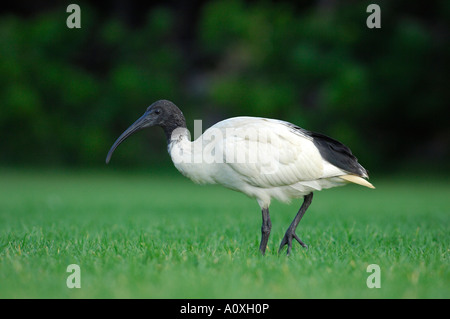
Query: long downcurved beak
[{"x": 141, "y": 123}]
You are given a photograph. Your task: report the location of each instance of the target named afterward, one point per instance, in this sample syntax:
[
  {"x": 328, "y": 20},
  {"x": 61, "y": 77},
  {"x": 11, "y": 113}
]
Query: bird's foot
[{"x": 287, "y": 240}]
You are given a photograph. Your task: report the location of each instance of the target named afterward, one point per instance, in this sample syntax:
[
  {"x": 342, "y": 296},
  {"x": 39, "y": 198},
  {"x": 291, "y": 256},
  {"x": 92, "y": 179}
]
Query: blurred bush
[{"x": 68, "y": 93}]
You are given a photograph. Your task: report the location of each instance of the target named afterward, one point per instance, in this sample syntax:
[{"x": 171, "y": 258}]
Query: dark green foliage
[{"x": 68, "y": 93}]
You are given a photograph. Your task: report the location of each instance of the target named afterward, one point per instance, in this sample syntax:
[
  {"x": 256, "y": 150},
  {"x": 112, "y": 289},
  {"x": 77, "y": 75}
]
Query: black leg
[
  {"x": 290, "y": 233},
  {"x": 265, "y": 230}
]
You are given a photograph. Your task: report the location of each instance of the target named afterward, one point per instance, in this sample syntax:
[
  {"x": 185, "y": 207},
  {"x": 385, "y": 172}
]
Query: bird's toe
[{"x": 287, "y": 241}]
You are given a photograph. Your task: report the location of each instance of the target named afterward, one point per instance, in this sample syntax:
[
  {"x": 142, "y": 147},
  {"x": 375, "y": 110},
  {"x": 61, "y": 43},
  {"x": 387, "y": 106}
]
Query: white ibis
[{"x": 263, "y": 158}]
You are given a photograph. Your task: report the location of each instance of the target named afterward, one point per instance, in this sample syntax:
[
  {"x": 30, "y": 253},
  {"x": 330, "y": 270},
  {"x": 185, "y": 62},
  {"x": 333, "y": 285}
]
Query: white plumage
[
  {"x": 286, "y": 163},
  {"x": 263, "y": 158}
]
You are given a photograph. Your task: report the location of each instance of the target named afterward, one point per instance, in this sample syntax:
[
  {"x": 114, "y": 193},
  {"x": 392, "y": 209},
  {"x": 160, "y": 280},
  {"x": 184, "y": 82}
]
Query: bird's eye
[{"x": 157, "y": 111}]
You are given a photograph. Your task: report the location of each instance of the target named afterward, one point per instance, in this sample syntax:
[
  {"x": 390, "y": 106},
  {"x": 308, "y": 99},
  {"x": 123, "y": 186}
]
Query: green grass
[{"x": 157, "y": 235}]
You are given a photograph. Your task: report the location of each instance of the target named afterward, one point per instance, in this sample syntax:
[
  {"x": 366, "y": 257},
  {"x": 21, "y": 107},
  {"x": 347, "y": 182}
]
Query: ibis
[{"x": 263, "y": 158}]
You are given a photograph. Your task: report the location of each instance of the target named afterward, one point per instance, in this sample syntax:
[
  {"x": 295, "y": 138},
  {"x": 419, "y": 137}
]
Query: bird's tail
[{"x": 357, "y": 180}]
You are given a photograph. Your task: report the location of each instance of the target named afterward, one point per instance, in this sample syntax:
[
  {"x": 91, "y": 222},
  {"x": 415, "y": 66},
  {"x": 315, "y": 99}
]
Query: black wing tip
[
  {"x": 338, "y": 154},
  {"x": 363, "y": 172},
  {"x": 334, "y": 152}
]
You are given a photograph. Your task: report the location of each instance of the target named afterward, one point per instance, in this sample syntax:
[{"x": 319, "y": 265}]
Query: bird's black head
[
  {"x": 165, "y": 114},
  {"x": 162, "y": 113}
]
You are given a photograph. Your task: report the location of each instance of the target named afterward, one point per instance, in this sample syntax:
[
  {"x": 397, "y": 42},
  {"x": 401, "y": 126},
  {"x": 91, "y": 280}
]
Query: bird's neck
[
  {"x": 177, "y": 134},
  {"x": 187, "y": 158},
  {"x": 179, "y": 142},
  {"x": 174, "y": 127}
]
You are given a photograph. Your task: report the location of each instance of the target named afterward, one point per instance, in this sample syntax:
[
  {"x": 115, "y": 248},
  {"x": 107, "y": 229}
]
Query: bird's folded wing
[{"x": 266, "y": 153}]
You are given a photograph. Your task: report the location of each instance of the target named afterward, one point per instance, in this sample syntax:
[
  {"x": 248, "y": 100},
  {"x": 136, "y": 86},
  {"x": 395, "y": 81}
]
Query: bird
[{"x": 266, "y": 159}]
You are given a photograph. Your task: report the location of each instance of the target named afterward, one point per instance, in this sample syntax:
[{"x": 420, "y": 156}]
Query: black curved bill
[{"x": 136, "y": 126}]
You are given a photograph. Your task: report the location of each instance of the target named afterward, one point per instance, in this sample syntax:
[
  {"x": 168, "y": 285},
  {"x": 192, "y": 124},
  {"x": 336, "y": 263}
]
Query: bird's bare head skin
[{"x": 162, "y": 113}]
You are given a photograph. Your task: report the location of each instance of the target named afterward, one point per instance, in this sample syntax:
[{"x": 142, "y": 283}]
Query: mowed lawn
[{"x": 155, "y": 234}]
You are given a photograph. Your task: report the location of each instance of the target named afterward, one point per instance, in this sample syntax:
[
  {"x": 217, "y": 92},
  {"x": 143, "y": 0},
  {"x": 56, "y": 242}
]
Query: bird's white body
[{"x": 262, "y": 158}]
